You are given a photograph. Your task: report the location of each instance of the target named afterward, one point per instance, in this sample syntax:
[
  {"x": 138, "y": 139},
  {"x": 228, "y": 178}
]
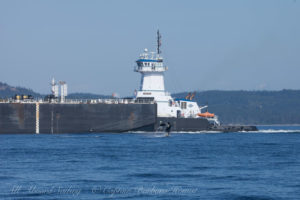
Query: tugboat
[{"x": 183, "y": 114}]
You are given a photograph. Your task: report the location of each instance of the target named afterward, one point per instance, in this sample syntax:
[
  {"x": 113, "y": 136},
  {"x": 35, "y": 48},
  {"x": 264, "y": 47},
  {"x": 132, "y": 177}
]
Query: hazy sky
[{"x": 93, "y": 45}]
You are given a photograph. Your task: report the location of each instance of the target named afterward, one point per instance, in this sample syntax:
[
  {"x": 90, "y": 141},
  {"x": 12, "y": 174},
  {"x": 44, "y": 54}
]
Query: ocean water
[{"x": 260, "y": 165}]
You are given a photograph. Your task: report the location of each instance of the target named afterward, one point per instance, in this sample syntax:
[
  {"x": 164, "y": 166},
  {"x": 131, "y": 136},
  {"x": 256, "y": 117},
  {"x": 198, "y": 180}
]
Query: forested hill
[
  {"x": 7, "y": 91},
  {"x": 252, "y": 107},
  {"x": 232, "y": 107}
]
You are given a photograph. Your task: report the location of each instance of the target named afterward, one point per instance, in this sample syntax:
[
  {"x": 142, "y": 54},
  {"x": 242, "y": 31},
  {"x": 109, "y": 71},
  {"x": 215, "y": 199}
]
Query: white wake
[{"x": 275, "y": 131}]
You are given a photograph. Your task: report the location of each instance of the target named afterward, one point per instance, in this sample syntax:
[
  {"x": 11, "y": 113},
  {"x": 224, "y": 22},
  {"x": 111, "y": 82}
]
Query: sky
[{"x": 207, "y": 45}]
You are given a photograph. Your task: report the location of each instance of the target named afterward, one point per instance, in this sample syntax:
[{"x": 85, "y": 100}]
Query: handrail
[{"x": 77, "y": 101}]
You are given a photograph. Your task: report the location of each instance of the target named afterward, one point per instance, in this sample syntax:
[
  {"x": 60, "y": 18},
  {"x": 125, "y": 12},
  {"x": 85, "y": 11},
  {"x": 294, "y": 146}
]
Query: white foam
[
  {"x": 159, "y": 136},
  {"x": 273, "y": 131},
  {"x": 137, "y": 132},
  {"x": 209, "y": 132},
  {"x": 198, "y": 132},
  {"x": 174, "y": 132}
]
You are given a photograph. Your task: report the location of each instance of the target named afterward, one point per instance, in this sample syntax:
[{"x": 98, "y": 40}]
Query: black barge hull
[
  {"x": 102, "y": 117},
  {"x": 75, "y": 118}
]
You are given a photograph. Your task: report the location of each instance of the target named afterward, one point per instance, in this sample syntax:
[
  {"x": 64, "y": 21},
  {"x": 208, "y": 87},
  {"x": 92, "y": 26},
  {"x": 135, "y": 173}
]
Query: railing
[
  {"x": 97, "y": 101},
  {"x": 78, "y": 101},
  {"x": 150, "y": 69}
]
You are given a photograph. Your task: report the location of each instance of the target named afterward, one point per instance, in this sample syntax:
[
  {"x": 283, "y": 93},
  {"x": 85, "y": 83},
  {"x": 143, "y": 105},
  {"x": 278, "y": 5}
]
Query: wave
[
  {"x": 259, "y": 131},
  {"x": 274, "y": 131},
  {"x": 186, "y": 132},
  {"x": 198, "y": 132},
  {"x": 159, "y": 134}
]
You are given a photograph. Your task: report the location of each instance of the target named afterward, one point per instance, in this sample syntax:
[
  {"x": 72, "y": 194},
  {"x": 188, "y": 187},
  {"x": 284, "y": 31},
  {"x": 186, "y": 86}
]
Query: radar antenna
[{"x": 158, "y": 42}]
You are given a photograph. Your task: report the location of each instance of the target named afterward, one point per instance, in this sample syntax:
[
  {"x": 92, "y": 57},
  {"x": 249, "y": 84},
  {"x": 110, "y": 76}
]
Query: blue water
[{"x": 260, "y": 165}]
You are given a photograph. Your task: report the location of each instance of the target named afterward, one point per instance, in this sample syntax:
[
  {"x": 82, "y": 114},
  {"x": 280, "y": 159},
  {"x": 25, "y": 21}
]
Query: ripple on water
[{"x": 213, "y": 166}]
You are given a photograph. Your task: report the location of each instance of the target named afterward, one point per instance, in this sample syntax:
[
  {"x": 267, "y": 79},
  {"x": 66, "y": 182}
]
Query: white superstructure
[
  {"x": 54, "y": 88},
  {"x": 152, "y": 87},
  {"x": 63, "y": 89}
]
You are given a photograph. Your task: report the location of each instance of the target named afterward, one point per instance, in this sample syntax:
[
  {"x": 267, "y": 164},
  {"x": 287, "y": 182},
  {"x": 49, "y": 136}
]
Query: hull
[
  {"x": 184, "y": 124},
  {"x": 194, "y": 124},
  {"x": 84, "y": 118},
  {"x": 75, "y": 118}
]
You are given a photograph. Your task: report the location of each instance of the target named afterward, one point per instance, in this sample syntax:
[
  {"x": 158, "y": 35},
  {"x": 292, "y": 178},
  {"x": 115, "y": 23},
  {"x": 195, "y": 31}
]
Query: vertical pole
[
  {"x": 52, "y": 120},
  {"x": 158, "y": 42},
  {"x": 61, "y": 93},
  {"x": 37, "y": 118}
]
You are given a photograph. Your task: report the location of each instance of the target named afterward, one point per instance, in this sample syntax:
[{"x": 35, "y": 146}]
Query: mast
[{"x": 158, "y": 42}]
